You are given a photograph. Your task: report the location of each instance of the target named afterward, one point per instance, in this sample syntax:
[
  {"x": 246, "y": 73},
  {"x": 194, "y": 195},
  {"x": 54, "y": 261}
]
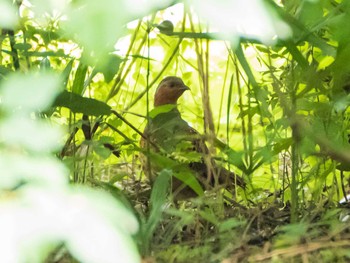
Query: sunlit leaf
[
  {"x": 250, "y": 18},
  {"x": 45, "y": 64},
  {"x": 33, "y": 170},
  {"x": 311, "y": 13},
  {"x": 59, "y": 53},
  {"x": 325, "y": 62},
  {"x": 161, "y": 109},
  {"x": 107, "y": 222},
  {"x": 282, "y": 145},
  {"x": 8, "y": 18},
  {"x": 110, "y": 67},
  {"x": 47, "y": 35},
  {"x": 75, "y": 217},
  {"x": 29, "y": 92},
  {"x": 79, "y": 79},
  {"x": 32, "y": 135},
  {"x": 87, "y": 18},
  {"x": 115, "y": 122},
  {"x": 22, "y": 46},
  {"x": 189, "y": 179},
  {"x": 102, "y": 151},
  {"x": 43, "y": 8},
  {"x": 66, "y": 72}
]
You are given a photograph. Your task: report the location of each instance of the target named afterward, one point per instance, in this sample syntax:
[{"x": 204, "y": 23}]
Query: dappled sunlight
[{"x": 242, "y": 155}]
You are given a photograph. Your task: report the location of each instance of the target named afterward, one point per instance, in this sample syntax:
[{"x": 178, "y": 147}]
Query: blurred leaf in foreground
[{"x": 39, "y": 209}]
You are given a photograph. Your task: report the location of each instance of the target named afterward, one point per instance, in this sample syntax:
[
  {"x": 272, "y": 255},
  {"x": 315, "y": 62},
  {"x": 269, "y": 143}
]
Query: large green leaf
[{"x": 79, "y": 104}]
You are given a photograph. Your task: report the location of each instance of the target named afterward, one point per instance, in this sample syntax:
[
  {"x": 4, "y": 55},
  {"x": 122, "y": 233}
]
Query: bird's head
[{"x": 169, "y": 90}]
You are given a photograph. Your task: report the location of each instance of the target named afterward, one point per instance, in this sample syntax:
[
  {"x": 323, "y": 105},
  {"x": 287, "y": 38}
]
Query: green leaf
[
  {"x": 161, "y": 109},
  {"x": 230, "y": 224},
  {"x": 45, "y": 64},
  {"x": 160, "y": 191},
  {"x": 189, "y": 179},
  {"x": 35, "y": 136},
  {"x": 263, "y": 155},
  {"x": 161, "y": 188},
  {"x": 29, "y": 92},
  {"x": 33, "y": 169},
  {"x": 209, "y": 215},
  {"x": 113, "y": 225},
  {"x": 22, "y": 46},
  {"x": 66, "y": 72},
  {"x": 236, "y": 158},
  {"x": 296, "y": 54},
  {"x": 4, "y": 71},
  {"x": 46, "y": 35},
  {"x": 8, "y": 18},
  {"x": 79, "y": 79},
  {"x": 343, "y": 166},
  {"x": 325, "y": 62},
  {"x": 166, "y": 27},
  {"x": 79, "y": 104},
  {"x": 142, "y": 57},
  {"x": 85, "y": 22},
  {"x": 182, "y": 171},
  {"x": 101, "y": 150},
  {"x": 282, "y": 144},
  {"x": 115, "y": 122},
  {"x": 58, "y": 53},
  {"x": 110, "y": 67},
  {"x": 115, "y": 191},
  {"x": 311, "y": 13},
  {"x": 118, "y": 177}
]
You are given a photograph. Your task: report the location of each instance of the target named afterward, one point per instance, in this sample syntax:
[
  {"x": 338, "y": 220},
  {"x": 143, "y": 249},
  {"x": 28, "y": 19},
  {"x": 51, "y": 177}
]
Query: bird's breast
[{"x": 167, "y": 131}]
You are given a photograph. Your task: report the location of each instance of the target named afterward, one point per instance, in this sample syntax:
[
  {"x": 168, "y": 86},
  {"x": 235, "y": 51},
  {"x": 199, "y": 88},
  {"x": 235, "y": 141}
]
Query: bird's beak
[{"x": 185, "y": 88}]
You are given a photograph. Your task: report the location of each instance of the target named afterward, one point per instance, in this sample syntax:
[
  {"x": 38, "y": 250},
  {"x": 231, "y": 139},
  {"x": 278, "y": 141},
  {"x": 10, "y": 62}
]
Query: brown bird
[{"x": 168, "y": 134}]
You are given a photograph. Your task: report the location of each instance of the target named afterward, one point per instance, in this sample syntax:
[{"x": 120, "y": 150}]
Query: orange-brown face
[{"x": 169, "y": 90}]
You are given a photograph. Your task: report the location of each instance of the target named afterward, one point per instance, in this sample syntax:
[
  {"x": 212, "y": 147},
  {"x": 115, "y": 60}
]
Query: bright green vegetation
[{"x": 76, "y": 88}]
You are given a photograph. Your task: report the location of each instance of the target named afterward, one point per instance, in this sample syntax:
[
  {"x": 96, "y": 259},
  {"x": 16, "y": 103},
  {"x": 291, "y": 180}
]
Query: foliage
[
  {"x": 269, "y": 87},
  {"x": 40, "y": 209}
]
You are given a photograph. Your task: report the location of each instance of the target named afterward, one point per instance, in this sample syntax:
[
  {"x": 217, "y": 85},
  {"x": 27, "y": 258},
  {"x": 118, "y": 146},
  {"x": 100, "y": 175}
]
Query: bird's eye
[{"x": 172, "y": 85}]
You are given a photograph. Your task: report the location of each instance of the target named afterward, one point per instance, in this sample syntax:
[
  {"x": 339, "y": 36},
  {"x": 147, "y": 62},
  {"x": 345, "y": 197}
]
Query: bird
[{"x": 168, "y": 134}]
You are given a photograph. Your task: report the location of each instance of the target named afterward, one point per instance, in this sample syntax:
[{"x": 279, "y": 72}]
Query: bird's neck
[{"x": 160, "y": 101}]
